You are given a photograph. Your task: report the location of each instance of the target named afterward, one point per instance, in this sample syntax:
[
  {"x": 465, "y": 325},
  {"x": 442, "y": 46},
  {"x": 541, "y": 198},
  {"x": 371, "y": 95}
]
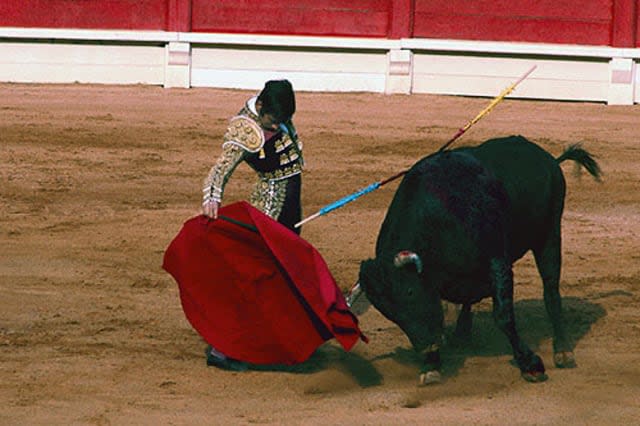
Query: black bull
[{"x": 458, "y": 221}]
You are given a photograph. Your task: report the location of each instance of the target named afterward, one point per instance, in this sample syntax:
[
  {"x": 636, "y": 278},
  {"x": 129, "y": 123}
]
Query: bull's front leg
[
  {"x": 530, "y": 364},
  {"x": 430, "y": 370}
]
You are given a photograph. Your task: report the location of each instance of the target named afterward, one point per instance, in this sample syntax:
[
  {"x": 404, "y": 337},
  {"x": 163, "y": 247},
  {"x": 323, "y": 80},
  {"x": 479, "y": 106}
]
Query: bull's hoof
[
  {"x": 429, "y": 378},
  {"x": 564, "y": 360},
  {"x": 534, "y": 376}
]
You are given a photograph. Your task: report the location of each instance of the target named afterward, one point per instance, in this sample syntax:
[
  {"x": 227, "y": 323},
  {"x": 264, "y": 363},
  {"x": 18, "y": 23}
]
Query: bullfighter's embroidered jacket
[{"x": 275, "y": 156}]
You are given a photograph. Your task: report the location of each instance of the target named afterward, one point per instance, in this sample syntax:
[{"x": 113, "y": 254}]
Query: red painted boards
[
  {"x": 543, "y": 21},
  {"x": 368, "y": 18},
  {"x": 595, "y": 22},
  {"x": 624, "y": 32},
  {"x": 85, "y": 14}
]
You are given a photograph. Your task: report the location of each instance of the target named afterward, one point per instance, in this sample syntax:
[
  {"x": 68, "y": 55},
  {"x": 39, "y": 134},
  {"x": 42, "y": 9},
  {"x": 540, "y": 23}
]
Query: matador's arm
[{"x": 214, "y": 184}]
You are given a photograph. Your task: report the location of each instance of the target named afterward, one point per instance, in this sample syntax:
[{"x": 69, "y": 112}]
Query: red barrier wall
[
  {"x": 595, "y": 22},
  {"x": 624, "y": 31},
  {"x": 85, "y": 14},
  {"x": 583, "y": 22},
  {"x": 310, "y": 17}
]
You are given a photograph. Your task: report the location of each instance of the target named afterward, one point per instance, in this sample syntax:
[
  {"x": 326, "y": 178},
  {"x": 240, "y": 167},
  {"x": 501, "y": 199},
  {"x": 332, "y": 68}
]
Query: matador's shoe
[{"x": 216, "y": 359}]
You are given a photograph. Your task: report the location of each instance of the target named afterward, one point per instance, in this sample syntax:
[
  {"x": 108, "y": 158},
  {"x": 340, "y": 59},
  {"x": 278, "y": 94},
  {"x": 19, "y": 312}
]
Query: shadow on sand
[
  {"x": 487, "y": 340},
  {"x": 330, "y": 356},
  {"x": 531, "y": 320}
]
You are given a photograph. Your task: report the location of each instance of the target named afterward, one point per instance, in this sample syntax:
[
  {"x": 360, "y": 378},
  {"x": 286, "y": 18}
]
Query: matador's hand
[{"x": 210, "y": 209}]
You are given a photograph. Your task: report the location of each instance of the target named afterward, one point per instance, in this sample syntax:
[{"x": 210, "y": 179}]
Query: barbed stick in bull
[{"x": 349, "y": 198}]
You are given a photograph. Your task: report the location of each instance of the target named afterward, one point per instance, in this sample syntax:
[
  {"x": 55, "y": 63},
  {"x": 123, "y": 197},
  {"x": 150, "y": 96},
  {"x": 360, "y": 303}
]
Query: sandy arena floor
[{"x": 96, "y": 180}]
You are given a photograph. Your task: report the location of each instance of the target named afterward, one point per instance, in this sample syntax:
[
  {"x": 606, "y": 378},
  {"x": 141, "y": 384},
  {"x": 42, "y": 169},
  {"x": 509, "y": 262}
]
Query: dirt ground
[{"x": 95, "y": 181}]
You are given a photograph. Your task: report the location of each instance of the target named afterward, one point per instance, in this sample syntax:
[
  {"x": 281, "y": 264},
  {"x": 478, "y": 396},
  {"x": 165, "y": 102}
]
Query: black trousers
[{"x": 292, "y": 209}]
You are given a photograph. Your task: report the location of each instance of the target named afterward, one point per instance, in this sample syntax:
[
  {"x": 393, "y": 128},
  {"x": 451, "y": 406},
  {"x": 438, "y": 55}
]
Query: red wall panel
[
  {"x": 550, "y": 21},
  {"x": 577, "y": 10},
  {"x": 623, "y": 33},
  {"x": 369, "y": 18},
  {"x": 401, "y": 21},
  {"x": 638, "y": 29},
  {"x": 179, "y": 15},
  {"x": 594, "y": 22},
  {"x": 93, "y": 14}
]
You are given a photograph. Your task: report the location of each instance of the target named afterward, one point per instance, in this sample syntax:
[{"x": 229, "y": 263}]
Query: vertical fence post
[
  {"x": 177, "y": 68},
  {"x": 622, "y": 70},
  {"x": 399, "y": 74}
]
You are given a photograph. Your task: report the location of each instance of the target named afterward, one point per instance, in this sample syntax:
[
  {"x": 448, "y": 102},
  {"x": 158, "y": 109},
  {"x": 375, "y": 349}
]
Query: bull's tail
[{"x": 576, "y": 153}]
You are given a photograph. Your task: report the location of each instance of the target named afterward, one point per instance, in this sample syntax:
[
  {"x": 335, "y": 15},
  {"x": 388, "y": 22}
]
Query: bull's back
[
  {"x": 450, "y": 210},
  {"x": 534, "y": 185}
]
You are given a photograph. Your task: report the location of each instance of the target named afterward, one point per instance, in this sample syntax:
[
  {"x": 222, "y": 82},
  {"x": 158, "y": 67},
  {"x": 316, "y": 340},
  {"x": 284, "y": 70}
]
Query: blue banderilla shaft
[{"x": 349, "y": 198}]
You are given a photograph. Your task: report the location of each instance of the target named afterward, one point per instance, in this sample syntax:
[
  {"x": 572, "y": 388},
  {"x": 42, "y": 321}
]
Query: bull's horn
[{"x": 406, "y": 256}]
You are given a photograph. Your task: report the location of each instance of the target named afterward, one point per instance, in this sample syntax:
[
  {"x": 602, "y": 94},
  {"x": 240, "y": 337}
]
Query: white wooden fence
[{"x": 173, "y": 59}]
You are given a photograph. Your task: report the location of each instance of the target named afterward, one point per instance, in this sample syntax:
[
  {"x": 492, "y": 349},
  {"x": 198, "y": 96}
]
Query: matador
[{"x": 262, "y": 135}]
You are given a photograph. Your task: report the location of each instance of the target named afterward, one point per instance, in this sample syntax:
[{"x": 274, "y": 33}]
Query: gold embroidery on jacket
[
  {"x": 289, "y": 157},
  {"x": 214, "y": 184},
  {"x": 244, "y": 132},
  {"x": 268, "y": 196},
  {"x": 244, "y": 136},
  {"x": 283, "y": 143},
  {"x": 287, "y": 172}
]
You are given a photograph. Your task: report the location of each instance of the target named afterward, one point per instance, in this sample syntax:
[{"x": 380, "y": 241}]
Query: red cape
[{"x": 264, "y": 296}]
